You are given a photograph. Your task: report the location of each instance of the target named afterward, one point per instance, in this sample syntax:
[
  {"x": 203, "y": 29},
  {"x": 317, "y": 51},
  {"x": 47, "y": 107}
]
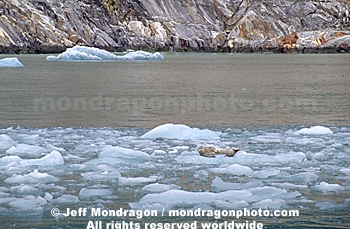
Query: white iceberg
[
  {"x": 33, "y": 177},
  {"x": 269, "y": 204},
  {"x": 87, "y": 193},
  {"x": 5, "y": 142},
  {"x": 26, "y": 150},
  {"x": 315, "y": 130},
  {"x": 31, "y": 205},
  {"x": 24, "y": 189},
  {"x": 101, "y": 173},
  {"x": 54, "y": 158},
  {"x": 134, "y": 181},
  {"x": 234, "y": 169},
  {"x": 244, "y": 158},
  {"x": 156, "y": 188},
  {"x": 66, "y": 198},
  {"x": 325, "y": 187},
  {"x": 179, "y": 131},
  {"x": 186, "y": 197},
  {"x": 82, "y": 53},
  {"x": 219, "y": 185},
  {"x": 265, "y": 173},
  {"x": 10, "y": 62},
  {"x": 119, "y": 155}
]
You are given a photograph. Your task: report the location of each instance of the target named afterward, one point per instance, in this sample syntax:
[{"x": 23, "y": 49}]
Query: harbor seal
[{"x": 212, "y": 151}]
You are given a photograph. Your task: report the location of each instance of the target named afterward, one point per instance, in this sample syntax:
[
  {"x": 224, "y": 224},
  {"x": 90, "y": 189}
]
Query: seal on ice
[{"x": 212, "y": 151}]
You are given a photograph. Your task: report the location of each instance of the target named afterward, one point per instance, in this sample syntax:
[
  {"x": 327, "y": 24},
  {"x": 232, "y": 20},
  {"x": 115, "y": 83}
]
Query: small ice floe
[
  {"x": 31, "y": 205},
  {"x": 269, "y": 204},
  {"x": 26, "y": 150},
  {"x": 345, "y": 171},
  {"x": 87, "y": 193},
  {"x": 315, "y": 130},
  {"x": 302, "y": 178},
  {"x": 6, "y": 142},
  {"x": 234, "y": 169},
  {"x": 180, "y": 131},
  {"x": 156, "y": 188},
  {"x": 33, "y": 177},
  {"x": 10, "y": 62},
  {"x": 265, "y": 173},
  {"x": 244, "y": 158},
  {"x": 54, "y": 158},
  {"x": 24, "y": 189},
  {"x": 66, "y": 198},
  {"x": 102, "y": 173},
  {"x": 135, "y": 181},
  {"x": 219, "y": 185},
  {"x": 187, "y": 199},
  {"x": 325, "y": 187},
  {"x": 119, "y": 155},
  {"x": 82, "y": 53}
]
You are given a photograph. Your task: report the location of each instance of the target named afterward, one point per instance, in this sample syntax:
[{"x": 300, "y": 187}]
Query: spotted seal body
[{"x": 212, "y": 151}]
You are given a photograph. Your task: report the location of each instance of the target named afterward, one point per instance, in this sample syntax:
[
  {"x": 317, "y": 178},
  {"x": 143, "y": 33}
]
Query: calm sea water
[
  {"x": 257, "y": 101},
  {"x": 191, "y": 88}
]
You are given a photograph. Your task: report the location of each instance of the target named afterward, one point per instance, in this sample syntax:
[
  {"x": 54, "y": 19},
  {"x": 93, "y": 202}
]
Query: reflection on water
[{"x": 191, "y": 88}]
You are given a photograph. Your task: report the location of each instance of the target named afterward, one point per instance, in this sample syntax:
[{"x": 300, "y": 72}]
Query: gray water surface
[{"x": 191, "y": 88}]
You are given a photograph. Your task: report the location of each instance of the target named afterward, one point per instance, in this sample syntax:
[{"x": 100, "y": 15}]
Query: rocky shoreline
[{"x": 278, "y": 26}]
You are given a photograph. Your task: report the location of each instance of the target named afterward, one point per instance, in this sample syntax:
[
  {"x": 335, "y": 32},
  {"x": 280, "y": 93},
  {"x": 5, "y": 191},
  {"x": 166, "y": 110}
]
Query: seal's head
[{"x": 201, "y": 150}]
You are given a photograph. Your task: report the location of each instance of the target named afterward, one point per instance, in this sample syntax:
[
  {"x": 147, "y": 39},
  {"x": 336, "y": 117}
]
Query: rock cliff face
[{"x": 36, "y": 26}]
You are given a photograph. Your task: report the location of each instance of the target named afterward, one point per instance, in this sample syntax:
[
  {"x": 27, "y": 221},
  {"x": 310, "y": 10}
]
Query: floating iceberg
[
  {"x": 234, "y": 169},
  {"x": 87, "y": 193},
  {"x": 31, "y": 205},
  {"x": 219, "y": 185},
  {"x": 5, "y": 142},
  {"x": 154, "y": 188},
  {"x": 26, "y": 150},
  {"x": 101, "y": 173},
  {"x": 54, "y": 158},
  {"x": 134, "y": 181},
  {"x": 186, "y": 198},
  {"x": 33, "y": 177},
  {"x": 180, "y": 131},
  {"x": 82, "y": 53},
  {"x": 325, "y": 187},
  {"x": 10, "y": 62},
  {"x": 244, "y": 158},
  {"x": 269, "y": 204},
  {"x": 315, "y": 130}
]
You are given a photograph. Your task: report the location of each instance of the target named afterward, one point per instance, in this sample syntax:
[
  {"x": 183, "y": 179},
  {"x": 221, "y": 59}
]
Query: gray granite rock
[{"x": 37, "y": 26}]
